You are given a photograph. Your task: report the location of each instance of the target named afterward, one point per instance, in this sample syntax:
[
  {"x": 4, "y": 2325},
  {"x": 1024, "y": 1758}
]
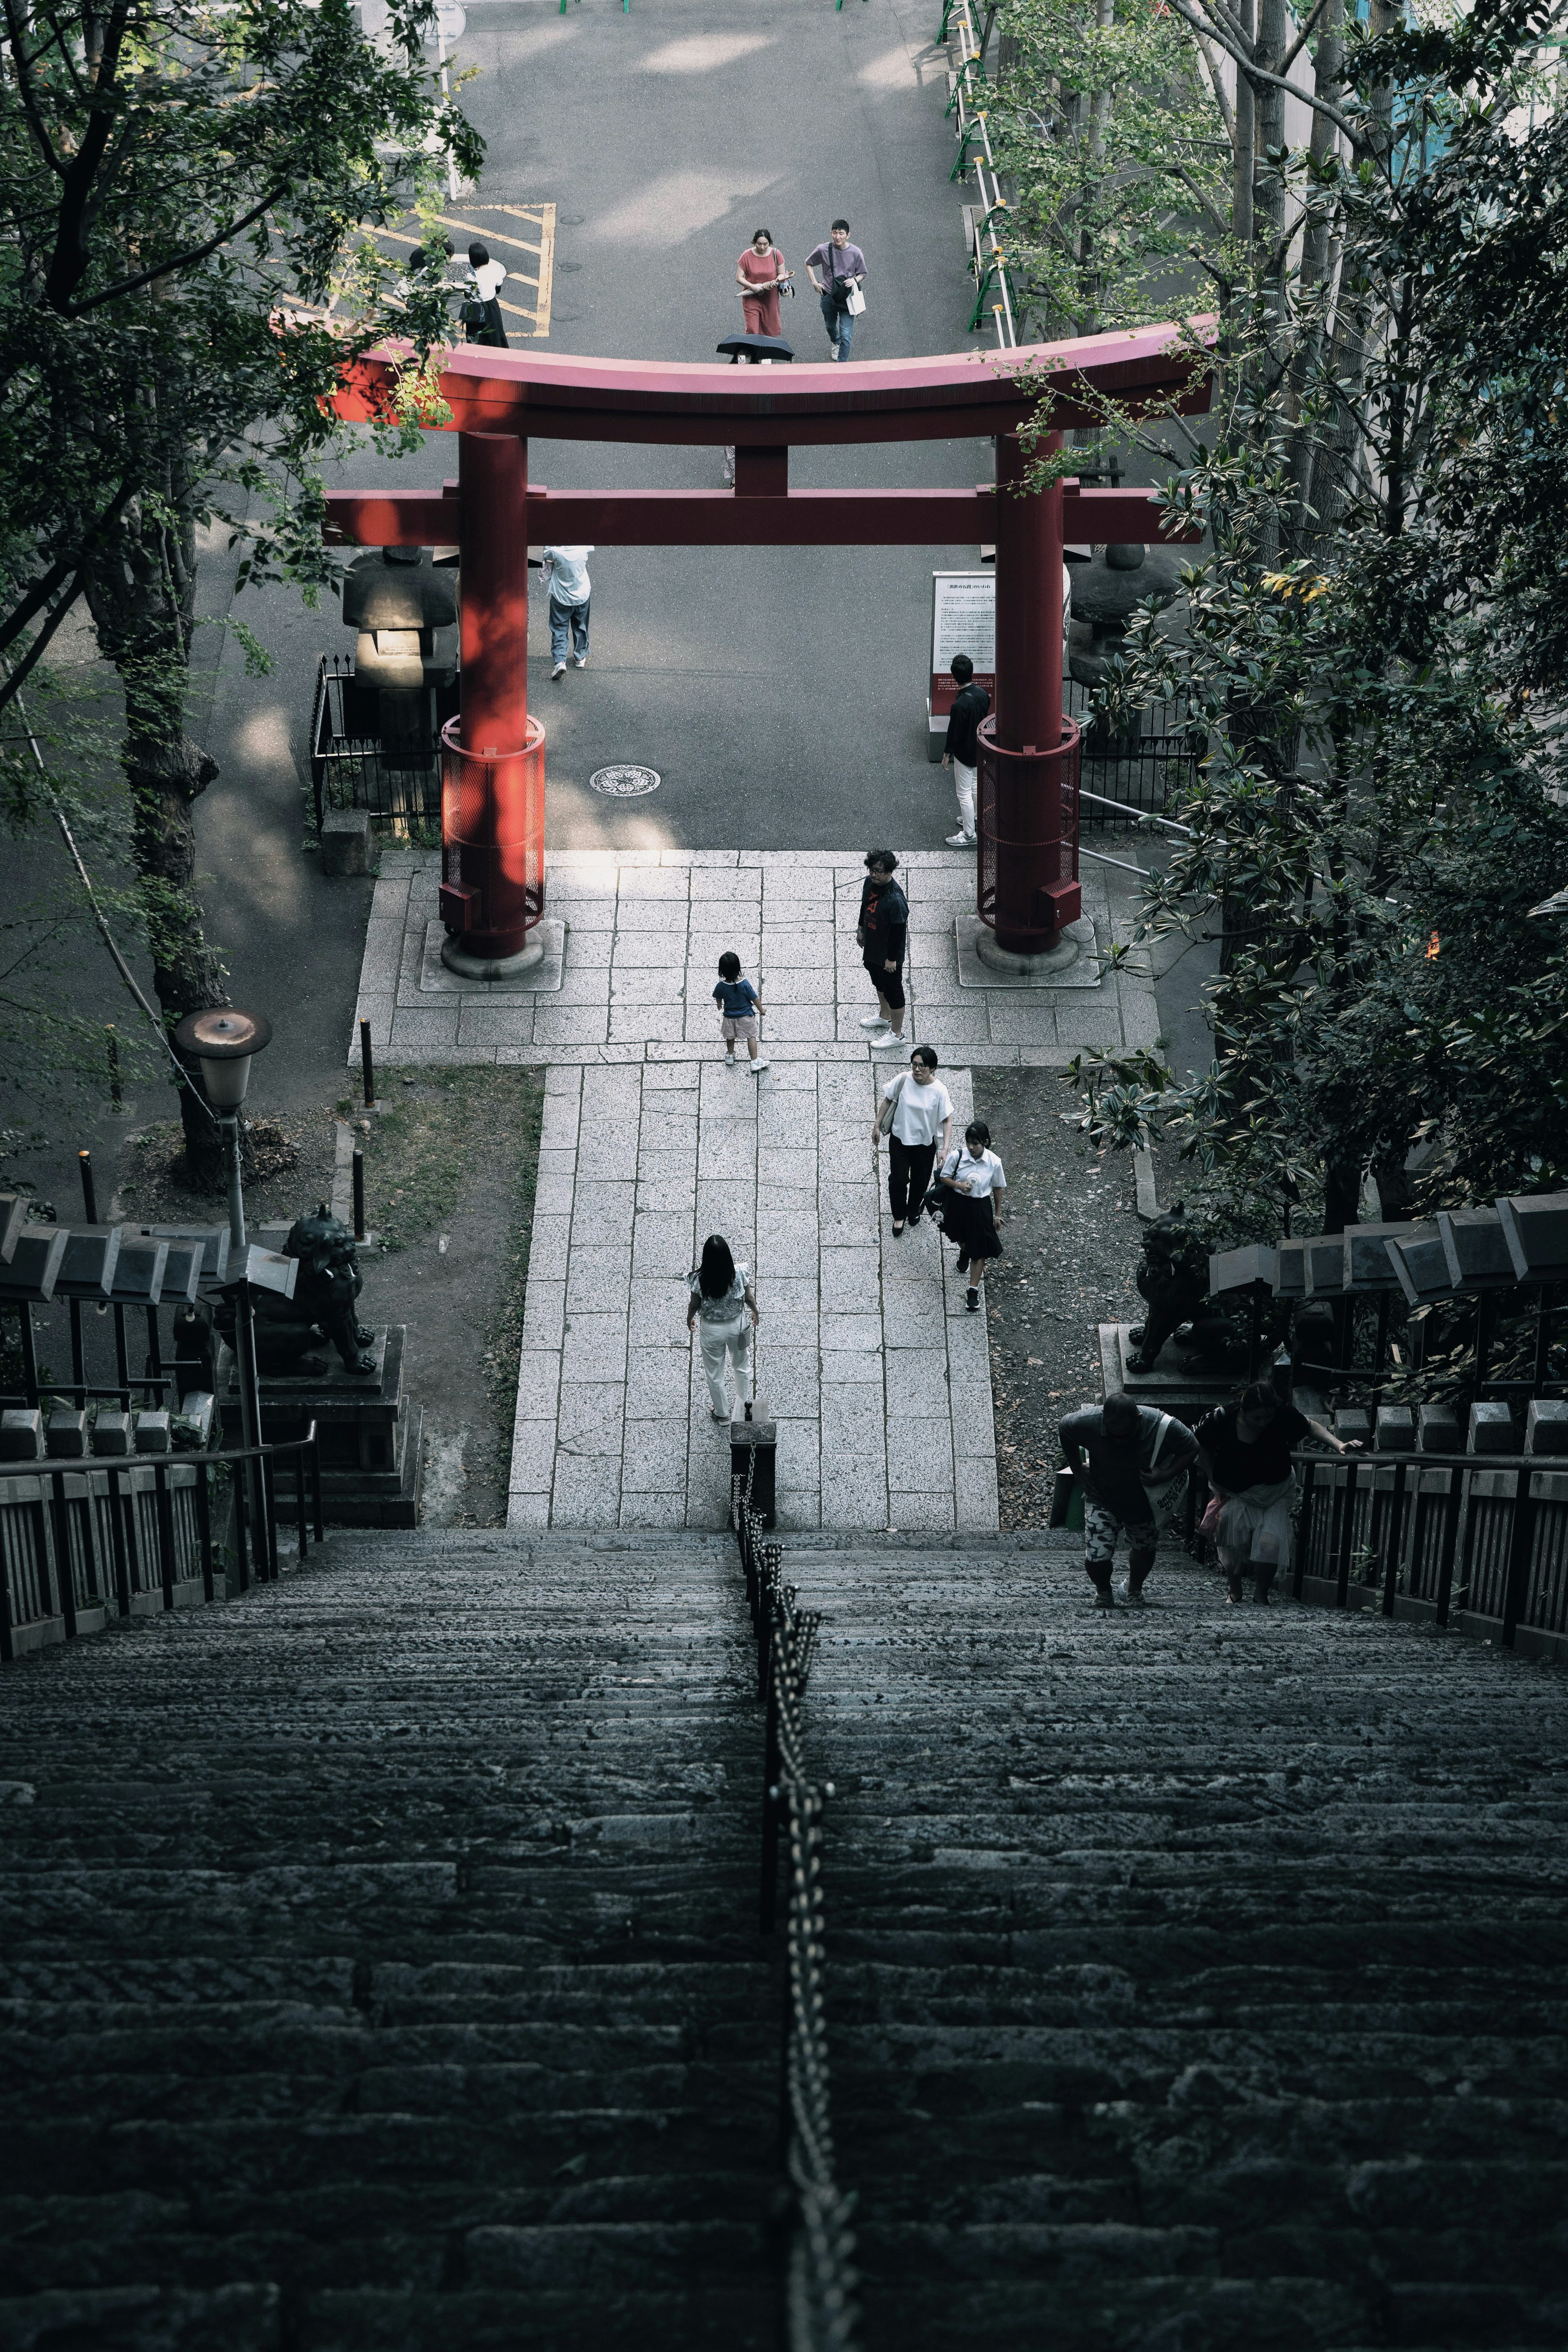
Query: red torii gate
[{"x": 492, "y": 811}]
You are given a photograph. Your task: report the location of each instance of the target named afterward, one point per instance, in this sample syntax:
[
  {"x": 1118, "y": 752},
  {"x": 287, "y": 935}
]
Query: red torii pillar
[
  {"x": 1026, "y": 805},
  {"x": 492, "y": 755}
]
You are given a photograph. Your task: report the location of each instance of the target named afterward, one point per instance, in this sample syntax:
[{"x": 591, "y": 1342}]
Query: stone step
[{"x": 526, "y": 2083}]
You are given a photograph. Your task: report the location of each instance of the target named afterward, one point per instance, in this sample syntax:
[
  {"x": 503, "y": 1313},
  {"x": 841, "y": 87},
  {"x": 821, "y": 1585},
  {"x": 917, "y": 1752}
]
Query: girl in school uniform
[{"x": 971, "y": 1180}]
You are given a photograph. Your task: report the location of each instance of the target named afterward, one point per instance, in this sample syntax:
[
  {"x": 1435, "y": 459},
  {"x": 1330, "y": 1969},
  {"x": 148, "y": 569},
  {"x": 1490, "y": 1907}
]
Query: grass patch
[{"x": 451, "y": 1138}]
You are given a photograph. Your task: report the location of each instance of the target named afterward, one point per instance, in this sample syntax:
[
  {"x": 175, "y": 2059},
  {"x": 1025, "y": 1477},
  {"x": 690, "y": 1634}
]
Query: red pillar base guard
[
  {"x": 1027, "y": 817},
  {"x": 492, "y": 843}
]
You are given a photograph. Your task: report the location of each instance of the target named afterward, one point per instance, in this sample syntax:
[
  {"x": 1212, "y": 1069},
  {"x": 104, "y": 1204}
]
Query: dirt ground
[
  {"x": 1071, "y": 1240},
  {"x": 450, "y": 1166},
  {"x": 451, "y": 1156}
]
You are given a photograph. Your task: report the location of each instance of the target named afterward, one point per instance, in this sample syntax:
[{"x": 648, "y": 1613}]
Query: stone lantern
[{"x": 406, "y": 612}]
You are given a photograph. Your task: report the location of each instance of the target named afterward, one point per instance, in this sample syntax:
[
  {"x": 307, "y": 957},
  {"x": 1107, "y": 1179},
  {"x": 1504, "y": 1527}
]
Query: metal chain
[{"x": 821, "y": 2312}]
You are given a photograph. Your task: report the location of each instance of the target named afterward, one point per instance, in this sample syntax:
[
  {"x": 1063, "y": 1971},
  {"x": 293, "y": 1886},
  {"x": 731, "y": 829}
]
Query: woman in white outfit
[
  {"x": 720, "y": 1301},
  {"x": 918, "y": 1125},
  {"x": 486, "y": 278}
]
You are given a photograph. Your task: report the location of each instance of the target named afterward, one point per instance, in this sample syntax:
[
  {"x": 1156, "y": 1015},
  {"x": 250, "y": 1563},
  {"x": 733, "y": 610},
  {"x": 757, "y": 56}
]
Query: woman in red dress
[{"x": 761, "y": 271}]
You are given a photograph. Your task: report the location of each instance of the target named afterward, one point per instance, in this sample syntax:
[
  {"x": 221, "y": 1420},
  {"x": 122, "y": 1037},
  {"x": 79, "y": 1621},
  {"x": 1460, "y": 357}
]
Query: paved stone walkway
[
  {"x": 646, "y": 930},
  {"x": 878, "y": 1378}
]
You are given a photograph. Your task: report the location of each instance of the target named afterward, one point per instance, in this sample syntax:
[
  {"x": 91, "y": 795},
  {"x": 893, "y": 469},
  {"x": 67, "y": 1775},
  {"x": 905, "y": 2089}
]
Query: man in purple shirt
[{"x": 835, "y": 266}]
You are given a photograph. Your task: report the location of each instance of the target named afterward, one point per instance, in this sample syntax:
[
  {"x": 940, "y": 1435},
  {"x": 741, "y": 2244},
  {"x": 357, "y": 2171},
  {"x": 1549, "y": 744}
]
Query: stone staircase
[
  {"x": 381, "y": 1963},
  {"x": 381, "y": 1971},
  {"x": 1195, "y": 1973}
]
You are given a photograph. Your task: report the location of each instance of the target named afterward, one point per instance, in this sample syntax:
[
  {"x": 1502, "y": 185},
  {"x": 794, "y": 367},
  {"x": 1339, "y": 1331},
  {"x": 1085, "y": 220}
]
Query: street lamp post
[{"x": 223, "y": 1041}]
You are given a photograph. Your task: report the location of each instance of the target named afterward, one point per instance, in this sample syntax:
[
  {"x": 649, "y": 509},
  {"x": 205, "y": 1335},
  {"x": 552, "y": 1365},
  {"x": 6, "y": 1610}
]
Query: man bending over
[{"x": 1125, "y": 1456}]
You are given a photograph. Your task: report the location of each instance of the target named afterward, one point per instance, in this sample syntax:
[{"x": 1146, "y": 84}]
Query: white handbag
[{"x": 857, "y": 302}]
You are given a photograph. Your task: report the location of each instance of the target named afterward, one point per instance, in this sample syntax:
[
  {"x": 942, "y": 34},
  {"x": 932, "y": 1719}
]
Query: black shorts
[{"x": 890, "y": 985}]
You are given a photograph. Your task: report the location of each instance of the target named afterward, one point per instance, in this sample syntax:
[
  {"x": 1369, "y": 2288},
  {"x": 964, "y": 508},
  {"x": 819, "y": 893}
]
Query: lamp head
[{"x": 223, "y": 1041}]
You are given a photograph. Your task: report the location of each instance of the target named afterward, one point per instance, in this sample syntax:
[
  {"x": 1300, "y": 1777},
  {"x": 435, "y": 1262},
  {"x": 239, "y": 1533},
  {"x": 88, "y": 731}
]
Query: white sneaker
[
  {"x": 579, "y": 661},
  {"x": 874, "y": 1021},
  {"x": 728, "y": 1061},
  {"x": 559, "y": 670},
  {"x": 961, "y": 841},
  {"x": 757, "y": 1066}
]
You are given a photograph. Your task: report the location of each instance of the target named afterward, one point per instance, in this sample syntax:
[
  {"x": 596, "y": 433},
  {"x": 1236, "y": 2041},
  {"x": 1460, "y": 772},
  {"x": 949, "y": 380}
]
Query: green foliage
[
  {"x": 191, "y": 188},
  {"x": 1113, "y": 150},
  {"x": 1366, "y": 659}
]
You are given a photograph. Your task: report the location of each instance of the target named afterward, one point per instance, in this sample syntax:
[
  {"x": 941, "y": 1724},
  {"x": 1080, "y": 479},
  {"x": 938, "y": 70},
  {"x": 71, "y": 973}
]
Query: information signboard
[{"x": 963, "y": 620}]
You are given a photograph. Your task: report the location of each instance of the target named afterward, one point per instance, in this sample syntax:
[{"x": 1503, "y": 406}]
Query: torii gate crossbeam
[{"x": 492, "y": 823}]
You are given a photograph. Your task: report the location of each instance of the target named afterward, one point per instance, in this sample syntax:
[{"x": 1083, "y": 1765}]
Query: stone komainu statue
[
  {"x": 1174, "y": 1280},
  {"x": 322, "y": 1307}
]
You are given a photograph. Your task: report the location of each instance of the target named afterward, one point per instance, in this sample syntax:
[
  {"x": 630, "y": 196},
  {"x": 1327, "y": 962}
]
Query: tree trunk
[
  {"x": 1245, "y": 145},
  {"x": 141, "y": 595},
  {"x": 1316, "y": 259}
]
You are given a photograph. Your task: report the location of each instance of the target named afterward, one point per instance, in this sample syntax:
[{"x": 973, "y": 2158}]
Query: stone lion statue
[
  {"x": 322, "y": 1307},
  {"x": 1174, "y": 1280}
]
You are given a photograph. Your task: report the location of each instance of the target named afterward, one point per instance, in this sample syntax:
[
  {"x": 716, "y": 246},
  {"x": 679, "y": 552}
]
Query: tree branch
[
  {"x": 1217, "y": 219},
  {"x": 15, "y": 680},
  {"x": 15, "y": 31},
  {"x": 1302, "y": 37},
  {"x": 36, "y": 598},
  {"x": 1256, "y": 73},
  {"x": 179, "y": 260},
  {"x": 68, "y": 265},
  {"x": 1211, "y": 66}
]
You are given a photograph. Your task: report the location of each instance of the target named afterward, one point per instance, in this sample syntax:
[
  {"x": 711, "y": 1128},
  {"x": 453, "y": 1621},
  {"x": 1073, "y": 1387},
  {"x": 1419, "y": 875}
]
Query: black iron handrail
[
  {"x": 255, "y": 1529},
  {"x": 1391, "y": 1531},
  {"x": 820, "y": 2311}
]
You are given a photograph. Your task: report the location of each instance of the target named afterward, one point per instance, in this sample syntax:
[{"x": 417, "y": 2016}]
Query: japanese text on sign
[{"x": 964, "y": 619}]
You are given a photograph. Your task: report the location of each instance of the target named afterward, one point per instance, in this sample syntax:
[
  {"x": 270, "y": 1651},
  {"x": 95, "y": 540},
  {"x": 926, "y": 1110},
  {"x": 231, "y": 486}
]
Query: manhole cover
[{"x": 624, "y": 783}]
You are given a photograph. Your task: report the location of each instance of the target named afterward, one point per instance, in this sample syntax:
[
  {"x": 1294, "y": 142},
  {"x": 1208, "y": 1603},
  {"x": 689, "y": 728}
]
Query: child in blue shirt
[{"x": 739, "y": 1005}]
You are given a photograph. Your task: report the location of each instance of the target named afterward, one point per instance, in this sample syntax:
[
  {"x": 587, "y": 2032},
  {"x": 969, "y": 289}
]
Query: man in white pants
[{"x": 961, "y": 750}]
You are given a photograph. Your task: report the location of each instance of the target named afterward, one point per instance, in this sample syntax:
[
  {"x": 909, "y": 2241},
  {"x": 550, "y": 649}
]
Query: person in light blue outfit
[
  {"x": 566, "y": 573},
  {"x": 739, "y": 1005}
]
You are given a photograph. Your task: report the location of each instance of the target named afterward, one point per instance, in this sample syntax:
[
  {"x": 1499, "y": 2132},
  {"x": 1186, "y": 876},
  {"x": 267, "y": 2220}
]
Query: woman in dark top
[
  {"x": 882, "y": 932},
  {"x": 1244, "y": 1450}
]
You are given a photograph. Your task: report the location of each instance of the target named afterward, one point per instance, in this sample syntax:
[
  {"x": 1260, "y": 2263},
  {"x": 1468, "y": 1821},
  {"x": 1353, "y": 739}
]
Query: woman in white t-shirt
[
  {"x": 972, "y": 1180},
  {"x": 486, "y": 278},
  {"x": 922, "y": 1119}
]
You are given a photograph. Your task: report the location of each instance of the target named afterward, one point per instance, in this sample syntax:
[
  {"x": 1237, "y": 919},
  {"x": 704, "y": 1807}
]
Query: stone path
[
  {"x": 645, "y": 932},
  {"x": 878, "y": 1379}
]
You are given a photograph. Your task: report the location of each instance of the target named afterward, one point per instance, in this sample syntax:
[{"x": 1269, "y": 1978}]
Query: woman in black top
[
  {"x": 882, "y": 932},
  {"x": 1244, "y": 1450}
]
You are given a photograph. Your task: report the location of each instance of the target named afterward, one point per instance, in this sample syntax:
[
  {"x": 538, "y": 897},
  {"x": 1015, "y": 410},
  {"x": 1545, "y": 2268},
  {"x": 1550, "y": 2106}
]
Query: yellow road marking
[{"x": 539, "y": 216}]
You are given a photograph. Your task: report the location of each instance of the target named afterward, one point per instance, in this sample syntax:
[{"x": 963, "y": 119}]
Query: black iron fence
[
  {"x": 1132, "y": 773},
  {"x": 820, "y": 2309},
  {"x": 85, "y": 1542},
  {"x": 1479, "y": 1542},
  {"x": 356, "y": 764}
]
